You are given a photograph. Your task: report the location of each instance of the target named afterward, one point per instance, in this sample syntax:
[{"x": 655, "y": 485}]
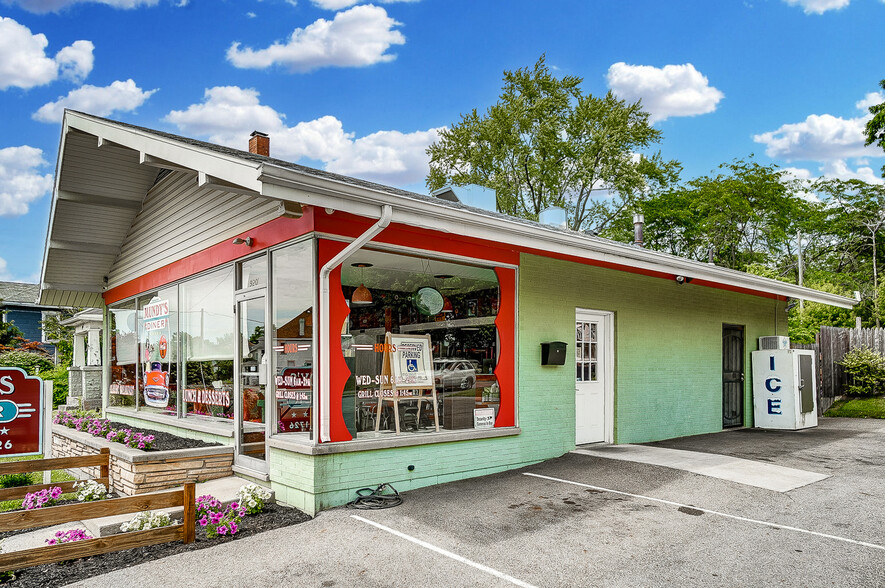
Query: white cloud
[
  {"x": 823, "y": 137},
  {"x": 818, "y": 6},
  {"x": 339, "y": 4},
  {"x": 357, "y": 37},
  {"x": 839, "y": 168},
  {"x": 75, "y": 62},
  {"x": 24, "y": 63},
  {"x": 228, "y": 114},
  {"x": 674, "y": 90},
  {"x": 43, "y": 6},
  {"x": 871, "y": 99},
  {"x": 20, "y": 181},
  {"x": 100, "y": 101}
]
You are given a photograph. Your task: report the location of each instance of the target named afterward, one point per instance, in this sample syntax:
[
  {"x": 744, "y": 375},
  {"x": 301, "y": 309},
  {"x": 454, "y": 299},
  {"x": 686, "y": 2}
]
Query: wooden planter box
[{"x": 134, "y": 471}]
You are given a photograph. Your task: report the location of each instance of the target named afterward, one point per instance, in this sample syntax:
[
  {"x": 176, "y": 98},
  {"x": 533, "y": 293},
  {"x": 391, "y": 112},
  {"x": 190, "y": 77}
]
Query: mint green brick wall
[{"x": 668, "y": 347}]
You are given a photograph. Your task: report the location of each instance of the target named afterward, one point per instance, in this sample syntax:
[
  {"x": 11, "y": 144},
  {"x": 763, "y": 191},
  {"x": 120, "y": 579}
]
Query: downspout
[{"x": 325, "y": 271}]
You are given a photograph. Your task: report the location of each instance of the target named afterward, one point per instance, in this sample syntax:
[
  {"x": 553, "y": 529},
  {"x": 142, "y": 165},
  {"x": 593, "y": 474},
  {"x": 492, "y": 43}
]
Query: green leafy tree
[
  {"x": 745, "y": 214},
  {"x": 546, "y": 143},
  {"x": 857, "y": 215},
  {"x": 9, "y": 334},
  {"x": 875, "y": 129},
  {"x": 62, "y": 336}
]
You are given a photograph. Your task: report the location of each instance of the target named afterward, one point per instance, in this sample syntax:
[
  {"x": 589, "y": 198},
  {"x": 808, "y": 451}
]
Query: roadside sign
[{"x": 21, "y": 413}]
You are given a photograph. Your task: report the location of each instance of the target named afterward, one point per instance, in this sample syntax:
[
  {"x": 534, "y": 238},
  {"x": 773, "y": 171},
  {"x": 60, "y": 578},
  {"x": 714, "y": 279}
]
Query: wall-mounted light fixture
[
  {"x": 791, "y": 304},
  {"x": 248, "y": 241},
  {"x": 683, "y": 280}
]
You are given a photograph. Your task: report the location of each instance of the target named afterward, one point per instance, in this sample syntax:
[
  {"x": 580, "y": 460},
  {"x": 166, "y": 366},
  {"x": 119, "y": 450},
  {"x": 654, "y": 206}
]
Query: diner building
[{"x": 340, "y": 334}]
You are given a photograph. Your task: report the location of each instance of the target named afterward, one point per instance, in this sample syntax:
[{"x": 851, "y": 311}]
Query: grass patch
[
  {"x": 36, "y": 478},
  {"x": 859, "y": 408}
]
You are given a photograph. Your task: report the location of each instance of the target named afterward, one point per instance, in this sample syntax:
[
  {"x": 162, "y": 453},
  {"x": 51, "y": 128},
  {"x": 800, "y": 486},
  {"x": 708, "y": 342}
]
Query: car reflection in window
[{"x": 454, "y": 374}]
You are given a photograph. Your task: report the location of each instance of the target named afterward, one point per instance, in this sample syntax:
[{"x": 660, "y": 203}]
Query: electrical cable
[{"x": 369, "y": 499}]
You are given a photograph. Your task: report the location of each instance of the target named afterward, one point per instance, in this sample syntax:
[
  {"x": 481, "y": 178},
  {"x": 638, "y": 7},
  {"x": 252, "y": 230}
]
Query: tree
[
  {"x": 858, "y": 216},
  {"x": 546, "y": 143},
  {"x": 875, "y": 129},
  {"x": 745, "y": 214}
]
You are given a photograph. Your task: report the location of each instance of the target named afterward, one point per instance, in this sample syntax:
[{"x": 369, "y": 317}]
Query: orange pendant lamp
[{"x": 362, "y": 296}]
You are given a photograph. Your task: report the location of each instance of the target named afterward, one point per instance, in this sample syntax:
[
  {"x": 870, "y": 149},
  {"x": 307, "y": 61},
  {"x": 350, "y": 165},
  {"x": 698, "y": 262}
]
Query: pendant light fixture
[{"x": 362, "y": 296}]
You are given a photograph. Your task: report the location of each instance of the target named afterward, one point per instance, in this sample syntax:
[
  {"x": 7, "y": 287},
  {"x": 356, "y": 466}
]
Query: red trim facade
[{"x": 347, "y": 225}]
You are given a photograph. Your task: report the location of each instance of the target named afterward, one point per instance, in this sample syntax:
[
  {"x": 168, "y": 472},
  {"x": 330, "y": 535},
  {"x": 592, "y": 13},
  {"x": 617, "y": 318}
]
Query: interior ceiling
[{"x": 403, "y": 273}]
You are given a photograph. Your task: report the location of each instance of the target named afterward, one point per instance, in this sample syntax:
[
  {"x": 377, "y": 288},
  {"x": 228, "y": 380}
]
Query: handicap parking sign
[{"x": 412, "y": 365}]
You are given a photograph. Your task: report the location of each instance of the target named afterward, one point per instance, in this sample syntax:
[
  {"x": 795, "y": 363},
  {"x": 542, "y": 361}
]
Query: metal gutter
[{"x": 325, "y": 271}]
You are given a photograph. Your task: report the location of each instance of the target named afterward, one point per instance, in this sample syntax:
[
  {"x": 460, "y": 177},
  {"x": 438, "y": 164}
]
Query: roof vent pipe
[
  {"x": 638, "y": 225},
  {"x": 259, "y": 143}
]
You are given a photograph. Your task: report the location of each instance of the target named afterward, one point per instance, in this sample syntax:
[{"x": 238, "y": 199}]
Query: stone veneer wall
[{"x": 136, "y": 472}]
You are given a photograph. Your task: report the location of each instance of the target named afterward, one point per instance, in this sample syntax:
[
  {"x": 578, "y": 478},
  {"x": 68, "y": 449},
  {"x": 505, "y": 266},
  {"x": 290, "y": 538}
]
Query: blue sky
[{"x": 362, "y": 88}]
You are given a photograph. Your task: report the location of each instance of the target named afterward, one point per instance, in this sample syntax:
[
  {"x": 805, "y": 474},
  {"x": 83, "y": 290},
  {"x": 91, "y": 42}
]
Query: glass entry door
[{"x": 252, "y": 367}]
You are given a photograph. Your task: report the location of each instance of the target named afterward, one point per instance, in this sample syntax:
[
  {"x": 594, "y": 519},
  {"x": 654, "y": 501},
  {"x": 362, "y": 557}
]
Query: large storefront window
[
  {"x": 158, "y": 344},
  {"x": 208, "y": 344},
  {"x": 123, "y": 355},
  {"x": 293, "y": 287},
  {"x": 418, "y": 327}
]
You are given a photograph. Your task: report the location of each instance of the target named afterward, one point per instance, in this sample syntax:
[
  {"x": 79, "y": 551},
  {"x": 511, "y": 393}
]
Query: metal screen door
[{"x": 732, "y": 376}]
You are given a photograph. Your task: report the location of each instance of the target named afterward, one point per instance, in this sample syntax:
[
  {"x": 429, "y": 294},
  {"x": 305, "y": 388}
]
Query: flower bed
[
  {"x": 99, "y": 427},
  {"x": 134, "y": 471}
]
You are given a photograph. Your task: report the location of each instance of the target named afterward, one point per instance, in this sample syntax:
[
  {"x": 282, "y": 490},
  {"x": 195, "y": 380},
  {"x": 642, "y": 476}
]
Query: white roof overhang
[
  {"x": 105, "y": 169},
  {"x": 103, "y": 173},
  {"x": 325, "y": 192}
]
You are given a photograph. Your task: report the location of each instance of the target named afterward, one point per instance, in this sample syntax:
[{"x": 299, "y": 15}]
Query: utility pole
[{"x": 801, "y": 266}]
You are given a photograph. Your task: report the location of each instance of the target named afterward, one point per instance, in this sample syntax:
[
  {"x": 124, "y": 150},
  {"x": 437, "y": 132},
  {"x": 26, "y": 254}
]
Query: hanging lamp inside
[{"x": 361, "y": 296}]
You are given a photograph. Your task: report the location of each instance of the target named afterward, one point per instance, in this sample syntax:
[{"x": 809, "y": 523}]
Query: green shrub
[
  {"x": 32, "y": 363},
  {"x": 58, "y": 375},
  {"x": 866, "y": 371},
  {"x": 13, "y": 480}
]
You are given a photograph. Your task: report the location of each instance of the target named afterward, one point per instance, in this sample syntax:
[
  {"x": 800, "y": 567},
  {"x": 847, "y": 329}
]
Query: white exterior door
[{"x": 592, "y": 377}]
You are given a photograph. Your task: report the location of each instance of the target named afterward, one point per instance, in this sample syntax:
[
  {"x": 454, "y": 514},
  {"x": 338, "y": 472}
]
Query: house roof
[
  {"x": 105, "y": 169},
  {"x": 11, "y": 292}
]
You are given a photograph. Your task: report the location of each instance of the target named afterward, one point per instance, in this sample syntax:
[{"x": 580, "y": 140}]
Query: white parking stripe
[
  {"x": 712, "y": 512},
  {"x": 448, "y": 554}
]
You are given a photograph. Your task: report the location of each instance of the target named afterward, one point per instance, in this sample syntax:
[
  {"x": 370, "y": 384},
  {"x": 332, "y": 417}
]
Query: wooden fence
[
  {"x": 56, "y": 515},
  {"x": 832, "y": 343}
]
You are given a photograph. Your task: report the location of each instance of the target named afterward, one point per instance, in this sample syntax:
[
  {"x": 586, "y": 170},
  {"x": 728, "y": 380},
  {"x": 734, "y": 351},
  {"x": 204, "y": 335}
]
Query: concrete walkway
[
  {"x": 723, "y": 467},
  {"x": 224, "y": 489}
]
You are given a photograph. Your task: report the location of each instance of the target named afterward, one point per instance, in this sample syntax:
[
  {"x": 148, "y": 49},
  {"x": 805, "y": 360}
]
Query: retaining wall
[{"x": 134, "y": 471}]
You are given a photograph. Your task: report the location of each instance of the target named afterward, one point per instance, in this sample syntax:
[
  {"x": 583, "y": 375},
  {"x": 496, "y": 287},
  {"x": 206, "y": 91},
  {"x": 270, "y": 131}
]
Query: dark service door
[{"x": 732, "y": 376}]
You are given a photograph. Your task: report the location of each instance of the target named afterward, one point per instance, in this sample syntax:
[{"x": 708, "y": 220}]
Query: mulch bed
[
  {"x": 60, "y": 574},
  {"x": 166, "y": 441}
]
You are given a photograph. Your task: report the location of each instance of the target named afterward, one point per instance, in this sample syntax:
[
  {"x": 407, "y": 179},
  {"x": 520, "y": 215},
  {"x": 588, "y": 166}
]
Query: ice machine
[{"x": 784, "y": 389}]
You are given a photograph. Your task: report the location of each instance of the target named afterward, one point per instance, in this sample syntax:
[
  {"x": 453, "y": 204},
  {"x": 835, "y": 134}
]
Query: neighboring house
[
  {"x": 19, "y": 305},
  {"x": 297, "y": 314}
]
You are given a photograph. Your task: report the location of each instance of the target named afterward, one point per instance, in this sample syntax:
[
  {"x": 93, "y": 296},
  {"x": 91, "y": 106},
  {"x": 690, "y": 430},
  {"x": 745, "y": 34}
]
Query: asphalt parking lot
[{"x": 588, "y": 521}]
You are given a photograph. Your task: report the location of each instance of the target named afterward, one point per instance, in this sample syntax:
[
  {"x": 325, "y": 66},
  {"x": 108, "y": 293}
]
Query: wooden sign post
[{"x": 407, "y": 365}]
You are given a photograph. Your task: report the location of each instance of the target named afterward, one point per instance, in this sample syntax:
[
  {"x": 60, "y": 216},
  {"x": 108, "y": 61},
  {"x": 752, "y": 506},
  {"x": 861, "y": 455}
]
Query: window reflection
[
  {"x": 207, "y": 333},
  {"x": 293, "y": 336},
  {"x": 456, "y": 305}
]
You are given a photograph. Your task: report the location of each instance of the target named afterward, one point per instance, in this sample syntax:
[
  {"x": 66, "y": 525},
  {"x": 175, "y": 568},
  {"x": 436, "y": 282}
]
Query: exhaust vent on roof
[
  {"x": 471, "y": 195},
  {"x": 555, "y": 216}
]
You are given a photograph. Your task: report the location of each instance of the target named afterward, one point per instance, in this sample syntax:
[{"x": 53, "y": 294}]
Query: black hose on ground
[{"x": 369, "y": 499}]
